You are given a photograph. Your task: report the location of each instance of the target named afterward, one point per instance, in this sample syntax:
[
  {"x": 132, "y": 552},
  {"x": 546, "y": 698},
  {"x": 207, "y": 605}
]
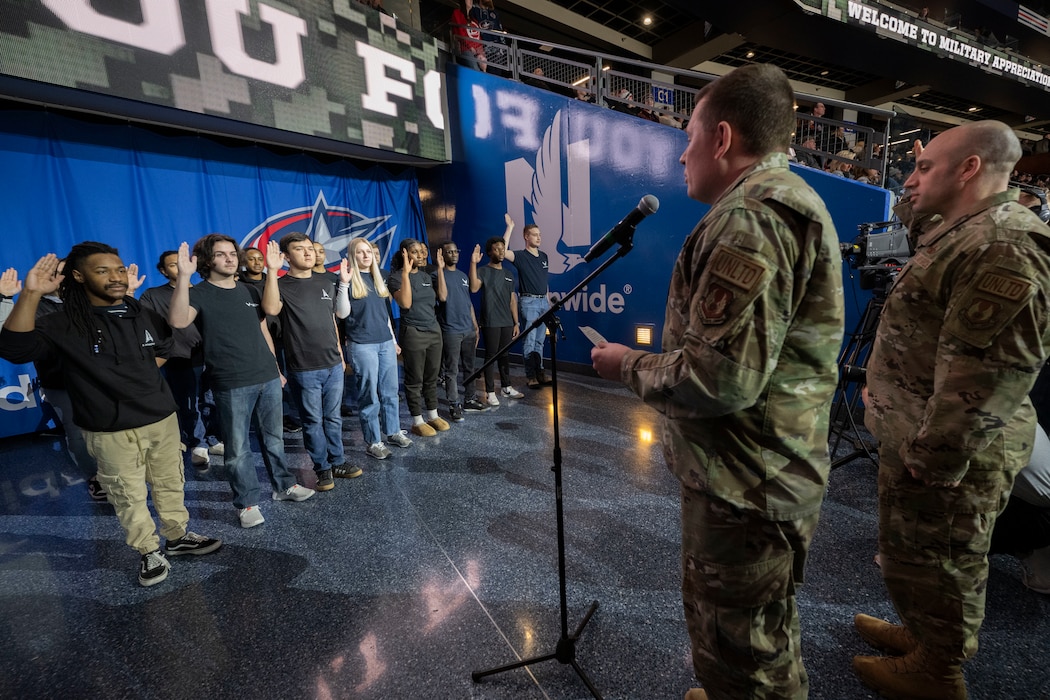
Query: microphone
[{"x": 622, "y": 231}]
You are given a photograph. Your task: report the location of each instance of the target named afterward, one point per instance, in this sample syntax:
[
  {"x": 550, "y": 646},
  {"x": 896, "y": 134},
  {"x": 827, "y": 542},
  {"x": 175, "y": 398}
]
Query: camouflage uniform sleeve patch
[
  {"x": 733, "y": 275},
  {"x": 988, "y": 305}
]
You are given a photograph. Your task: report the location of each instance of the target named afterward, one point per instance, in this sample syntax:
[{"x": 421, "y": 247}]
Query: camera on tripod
[{"x": 878, "y": 256}]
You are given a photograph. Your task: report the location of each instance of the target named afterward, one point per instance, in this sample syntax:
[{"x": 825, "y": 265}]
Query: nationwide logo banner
[
  {"x": 896, "y": 24},
  {"x": 335, "y": 70}
]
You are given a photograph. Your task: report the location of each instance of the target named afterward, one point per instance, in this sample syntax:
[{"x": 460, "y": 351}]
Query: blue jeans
[
  {"x": 319, "y": 392},
  {"x": 258, "y": 406},
  {"x": 375, "y": 373},
  {"x": 531, "y": 309}
]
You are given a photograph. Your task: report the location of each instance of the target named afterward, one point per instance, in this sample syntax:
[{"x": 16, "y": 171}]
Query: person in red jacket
[{"x": 465, "y": 36}]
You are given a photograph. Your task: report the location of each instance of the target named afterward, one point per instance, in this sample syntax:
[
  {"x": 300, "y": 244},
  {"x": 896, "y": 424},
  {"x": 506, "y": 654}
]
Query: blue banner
[
  {"x": 67, "y": 180},
  {"x": 575, "y": 170}
]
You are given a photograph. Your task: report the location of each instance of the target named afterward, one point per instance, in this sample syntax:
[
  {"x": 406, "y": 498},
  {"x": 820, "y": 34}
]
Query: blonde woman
[
  {"x": 372, "y": 352},
  {"x": 840, "y": 168}
]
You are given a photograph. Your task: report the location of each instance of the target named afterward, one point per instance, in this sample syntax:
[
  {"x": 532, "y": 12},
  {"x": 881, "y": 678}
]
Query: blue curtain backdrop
[{"x": 67, "y": 179}]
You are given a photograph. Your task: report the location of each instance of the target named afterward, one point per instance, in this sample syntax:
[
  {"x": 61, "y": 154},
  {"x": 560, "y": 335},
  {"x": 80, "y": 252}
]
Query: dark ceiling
[{"x": 810, "y": 49}]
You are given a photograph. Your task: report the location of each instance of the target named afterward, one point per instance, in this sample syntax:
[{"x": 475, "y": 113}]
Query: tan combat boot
[
  {"x": 884, "y": 636},
  {"x": 918, "y": 675}
]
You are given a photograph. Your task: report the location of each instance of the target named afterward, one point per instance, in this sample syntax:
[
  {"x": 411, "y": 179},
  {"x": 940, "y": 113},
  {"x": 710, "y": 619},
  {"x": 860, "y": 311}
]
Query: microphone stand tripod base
[{"x": 564, "y": 653}]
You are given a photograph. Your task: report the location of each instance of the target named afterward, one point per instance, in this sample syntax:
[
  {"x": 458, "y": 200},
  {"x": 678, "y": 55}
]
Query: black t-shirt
[
  {"x": 424, "y": 297},
  {"x": 496, "y": 287},
  {"x": 454, "y": 313},
  {"x": 187, "y": 340},
  {"x": 310, "y": 340},
  {"x": 235, "y": 351},
  {"x": 532, "y": 272}
]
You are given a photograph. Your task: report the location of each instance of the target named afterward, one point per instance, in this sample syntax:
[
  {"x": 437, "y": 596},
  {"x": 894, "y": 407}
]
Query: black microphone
[{"x": 622, "y": 231}]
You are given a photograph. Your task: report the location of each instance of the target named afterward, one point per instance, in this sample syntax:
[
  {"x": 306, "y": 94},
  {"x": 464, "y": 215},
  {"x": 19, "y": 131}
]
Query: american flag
[{"x": 1032, "y": 19}]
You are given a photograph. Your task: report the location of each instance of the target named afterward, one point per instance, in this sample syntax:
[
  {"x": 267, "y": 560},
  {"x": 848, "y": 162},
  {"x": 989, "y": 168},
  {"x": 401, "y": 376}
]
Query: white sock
[
  {"x": 431, "y": 415},
  {"x": 417, "y": 420}
]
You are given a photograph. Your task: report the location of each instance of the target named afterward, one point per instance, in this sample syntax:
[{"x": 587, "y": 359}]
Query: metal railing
[{"x": 624, "y": 84}]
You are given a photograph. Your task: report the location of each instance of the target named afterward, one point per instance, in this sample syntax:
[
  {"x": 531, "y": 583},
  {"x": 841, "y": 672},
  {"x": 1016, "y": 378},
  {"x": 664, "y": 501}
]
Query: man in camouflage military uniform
[
  {"x": 962, "y": 338},
  {"x": 745, "y": 380}
]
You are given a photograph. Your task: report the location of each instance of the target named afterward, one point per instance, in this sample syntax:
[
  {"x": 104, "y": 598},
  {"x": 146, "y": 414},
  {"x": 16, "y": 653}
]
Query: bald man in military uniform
[{"x": 962, "y": 338}]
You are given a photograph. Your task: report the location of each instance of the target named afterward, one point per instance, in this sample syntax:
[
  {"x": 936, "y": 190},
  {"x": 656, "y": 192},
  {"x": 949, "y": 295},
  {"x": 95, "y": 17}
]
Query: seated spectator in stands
[
  {"x": 804, "y": 157},
  {"x": 924, "y": 14},
  {"x": 535, "y": 82},
  {"x": 670, "y": 120},
  {"x": 841, "y": 168},
  {"x": 584, "y": 95},
  {"x": 621, "y": 101},
  {"x": 869, "y": 176},
  {"x": 465, "y": 36},
  {"x": 893, "y": 178},
  {"x": 837, "y": 142},
  {"x": 646, "y": 112}
]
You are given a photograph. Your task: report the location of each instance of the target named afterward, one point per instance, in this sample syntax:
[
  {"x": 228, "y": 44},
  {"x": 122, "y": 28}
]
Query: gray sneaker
[
  {"x": 399, "y": 438},
  {"x": 295, "y": 492},
  {"x": 378, "y": 450}
]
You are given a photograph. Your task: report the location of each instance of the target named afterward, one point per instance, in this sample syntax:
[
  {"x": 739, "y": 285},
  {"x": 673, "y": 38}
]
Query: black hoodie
[{"x": 112, "y": 378}]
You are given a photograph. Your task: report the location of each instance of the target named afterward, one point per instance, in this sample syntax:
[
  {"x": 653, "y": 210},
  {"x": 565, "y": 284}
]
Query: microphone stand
[{"x": 565, "y": 650}]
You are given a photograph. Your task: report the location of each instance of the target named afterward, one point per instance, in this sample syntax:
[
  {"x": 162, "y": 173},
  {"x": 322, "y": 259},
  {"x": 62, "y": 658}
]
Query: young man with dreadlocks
[{"x": 109, "y": 350}]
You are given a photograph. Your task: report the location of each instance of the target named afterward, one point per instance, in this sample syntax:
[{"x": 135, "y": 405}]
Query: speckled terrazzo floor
[{"x": 437, "y": 562}]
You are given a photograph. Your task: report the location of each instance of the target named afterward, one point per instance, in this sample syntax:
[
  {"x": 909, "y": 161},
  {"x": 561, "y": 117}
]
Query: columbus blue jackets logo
[{"x": 329, "y": 225}]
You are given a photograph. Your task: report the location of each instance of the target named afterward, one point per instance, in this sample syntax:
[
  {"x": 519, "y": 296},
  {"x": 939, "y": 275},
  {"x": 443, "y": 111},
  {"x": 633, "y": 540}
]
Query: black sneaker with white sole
[
  {"x": 191, "y": 543},
  {"x": 153, "y": 568}
]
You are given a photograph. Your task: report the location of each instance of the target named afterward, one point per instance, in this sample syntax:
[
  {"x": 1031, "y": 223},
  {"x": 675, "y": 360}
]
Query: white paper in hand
[{"x": 592, "y": 335}]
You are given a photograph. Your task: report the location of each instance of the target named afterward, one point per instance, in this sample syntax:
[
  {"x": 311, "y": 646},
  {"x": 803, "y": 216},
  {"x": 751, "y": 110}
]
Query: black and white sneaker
[
  {"x": 472, "y": 404},
  {"x": 456, "y": 412},
  {"x": 153, "y": 568},
  {"x": 191, "y": 543},
  {"x": 95, "y": 490}
]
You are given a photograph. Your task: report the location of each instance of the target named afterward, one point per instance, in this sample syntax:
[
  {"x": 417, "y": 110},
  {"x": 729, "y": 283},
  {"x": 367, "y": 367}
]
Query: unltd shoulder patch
[
  {"x": 737, "y": 269},
  {"x": 1004, "y": 286}
]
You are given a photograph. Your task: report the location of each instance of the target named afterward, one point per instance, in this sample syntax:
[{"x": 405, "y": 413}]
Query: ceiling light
[
  {"x": 916, "y": 94},
  {"x": 824, "y": 72},
  {"x": 913, "y": 131},
  {"x": 581, "y": 81},
  {"x": 750, "y": 54},
  {"x": 647, "y": 20},
  {"x": 974, "y": 109},
  {"x": 606, "y": 67}
]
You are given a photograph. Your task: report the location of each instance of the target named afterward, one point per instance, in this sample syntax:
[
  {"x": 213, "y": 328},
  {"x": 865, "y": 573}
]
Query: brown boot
[
  {"x": 886, "y": 637},
  {"x": 918, "y": 675},
  {"x": 696, "y": 694}
]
